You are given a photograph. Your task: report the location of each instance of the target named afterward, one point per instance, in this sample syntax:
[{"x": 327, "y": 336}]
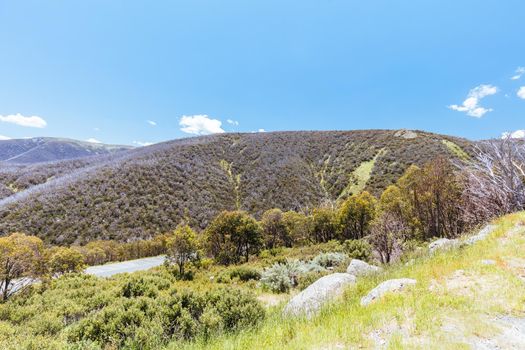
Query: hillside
[
  {"x": 46, "y": 149},
  {"x": 142, "y": 192}
]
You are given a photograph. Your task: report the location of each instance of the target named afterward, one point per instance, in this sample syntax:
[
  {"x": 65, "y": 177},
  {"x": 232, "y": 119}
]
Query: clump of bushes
[
  {"x": 139, "y": 311},
  {"x": 278, "y": 278},
  {"x": 358, "y": 249},
  {"x": 245, "y": 274},
  {"x": 281, "y": 277},
  {"x": 327, "y": 260},
  {"x": 241, "y": 273},
  {"x": 146, "y": 323}
]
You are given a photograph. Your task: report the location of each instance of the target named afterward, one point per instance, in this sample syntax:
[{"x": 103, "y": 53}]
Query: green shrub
[
  {"x": 277, "y": 278},
  {"x": 137, "y": 287},
  {"x": 332, "y": 246},
  {"x": 117, "y": 323},
  {"x": 330, "y": 259},
  {"x": 238, "y": 310},
  {"x": 147, "y": 323},
  {"x": 280, "y": 278},
  {"x": 245, "y": 274},
  {"x": 358, "y": 249},
  {"x": 187, "y": 275}
]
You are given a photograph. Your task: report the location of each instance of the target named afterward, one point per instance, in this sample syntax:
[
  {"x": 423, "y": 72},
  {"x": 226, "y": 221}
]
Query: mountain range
[
  {"x": 85, "y": 192},
  {"x": 45, "y": 149}
]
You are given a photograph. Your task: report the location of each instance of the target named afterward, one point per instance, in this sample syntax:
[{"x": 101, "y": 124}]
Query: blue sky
[{"x": 104, "y": 70}]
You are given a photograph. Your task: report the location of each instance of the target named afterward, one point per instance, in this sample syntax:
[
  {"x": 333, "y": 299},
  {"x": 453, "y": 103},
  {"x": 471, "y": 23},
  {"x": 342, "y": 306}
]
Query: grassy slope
[{"x": 446, "y": 310}]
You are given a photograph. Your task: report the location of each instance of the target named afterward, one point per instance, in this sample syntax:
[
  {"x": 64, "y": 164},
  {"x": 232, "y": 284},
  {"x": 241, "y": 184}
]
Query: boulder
[
  {"x": 359, "y": 268},
  {"x": 443, "y": 243},
  {"x": 325, "y": 289},
  {"x": 389, "y": 286},
  {"x": 483, "y": 234}
]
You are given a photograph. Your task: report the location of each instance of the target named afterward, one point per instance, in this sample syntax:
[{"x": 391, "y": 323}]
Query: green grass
[
  {"x": 235, "y": 180},
  {"x": 457, "y": 151},
  {"x": 413, "y": 319},
  {"x": 360, "y": 176}
]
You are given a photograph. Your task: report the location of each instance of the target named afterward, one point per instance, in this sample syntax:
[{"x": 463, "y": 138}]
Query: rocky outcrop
[
  {"x": 325, "y": 289},
  {"x": 359, "y": 268},
  {"x": 389, "y": 286},
  {"x": 483, "y": 234},
  {"x": 443, "y": 243}
]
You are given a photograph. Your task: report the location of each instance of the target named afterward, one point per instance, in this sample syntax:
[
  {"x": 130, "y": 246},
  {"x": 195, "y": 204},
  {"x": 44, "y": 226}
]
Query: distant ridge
[{"x": 45, "y": 149}]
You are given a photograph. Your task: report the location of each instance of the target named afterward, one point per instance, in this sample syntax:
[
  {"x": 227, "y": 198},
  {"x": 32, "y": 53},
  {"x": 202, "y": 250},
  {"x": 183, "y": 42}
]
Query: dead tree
[{"x": 495, "y": 182}]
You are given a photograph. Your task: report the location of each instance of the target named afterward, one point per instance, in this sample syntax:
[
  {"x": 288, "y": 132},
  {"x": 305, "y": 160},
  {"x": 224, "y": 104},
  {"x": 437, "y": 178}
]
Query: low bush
[
  {"x": 245, "y": 274},
  {"x": 277, "y": 278},
  {"x": 146, "y": 323},
  {"x": 330, "y": 259},
  {"x": 280, "y": 278},
  {"x": 358, "y": 249}
]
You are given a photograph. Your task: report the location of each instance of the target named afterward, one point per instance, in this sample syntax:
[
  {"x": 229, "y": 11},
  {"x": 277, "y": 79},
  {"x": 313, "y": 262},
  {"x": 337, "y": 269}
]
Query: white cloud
[
  {"x": 92, "y": 140},
  {"x": 518, "y": 134},
  {"x": 261, "y": 130},
  {"x": 142, "y": 144},
  {"x": 519, "y": 72},
  {"x": 2, "y": 138},
  {"x": 471, "y": 104},
  {"x": 18, "y": 119},
  {"x": 96, "y": 129},
  {"x": 521, "y": 92},
  {"x": 151, "y": 122},
  {"x": 200, "y": 125},
  {"x": 232, "y": 122}
]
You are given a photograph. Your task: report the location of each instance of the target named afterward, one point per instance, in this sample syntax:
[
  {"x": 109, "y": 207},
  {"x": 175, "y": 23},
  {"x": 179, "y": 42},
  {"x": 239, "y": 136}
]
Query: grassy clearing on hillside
[
  {"x": 457, "y": 151},
  {"x": 451, "y": 307},
  {"x": 360, "y": 177}
]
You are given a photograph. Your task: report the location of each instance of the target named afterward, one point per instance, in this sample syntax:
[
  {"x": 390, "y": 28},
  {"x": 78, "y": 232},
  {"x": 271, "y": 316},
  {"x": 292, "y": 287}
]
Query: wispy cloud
[
  {"x": 200, "y": 125},
  {"x": 3, "y": 138},
  {"x": 519, "y": 72},
  {"x": 471, "y": 105},
  {"x": 521, "y": 92},
  {"x": 151, "y": 122},
  {"x": 142, "y": 144},
  {"x": 93, "y": 140},
  {"x": 18, "y": 119},
  {"x": 232, "y": 122},
  {"x": 518, "y": 134}
]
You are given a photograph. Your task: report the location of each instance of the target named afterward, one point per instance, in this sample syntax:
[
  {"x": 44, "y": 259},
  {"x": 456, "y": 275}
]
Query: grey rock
[
  {"x": 483, "y": 234},
  {"x": 359, "y": 268},
  {"x": 389, "y": 286},
  {"x": 406, "y": 134},
  {"x": 443, "y": 243},
  {"x": 325, "y": 289}
]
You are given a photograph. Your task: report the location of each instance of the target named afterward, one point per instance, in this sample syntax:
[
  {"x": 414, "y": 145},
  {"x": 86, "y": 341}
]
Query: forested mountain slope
[
  {"x": 142, "y": 192},
  {"x": 45, "y": 149}
]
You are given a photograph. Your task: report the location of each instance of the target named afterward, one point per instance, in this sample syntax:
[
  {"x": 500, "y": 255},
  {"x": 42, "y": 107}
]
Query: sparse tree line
[{"x": 439, "y": 199}]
